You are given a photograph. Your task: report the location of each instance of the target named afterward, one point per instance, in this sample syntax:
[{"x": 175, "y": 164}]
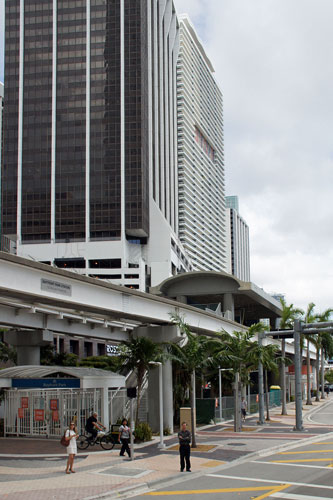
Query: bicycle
[{"x": 106, "y": 441}]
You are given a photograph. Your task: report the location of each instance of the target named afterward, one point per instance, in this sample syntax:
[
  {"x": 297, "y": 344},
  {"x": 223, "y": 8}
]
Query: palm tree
[
  {"x": 135, "y": 354},
  {"x": 289, "y": 314},
  {"x": 242, "y": 354},
  {"x": 193, "y": 355}
]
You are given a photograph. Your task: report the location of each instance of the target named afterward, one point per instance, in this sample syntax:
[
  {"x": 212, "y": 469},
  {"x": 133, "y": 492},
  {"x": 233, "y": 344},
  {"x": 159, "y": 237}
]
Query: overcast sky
[{"x": 273, "y": 62}]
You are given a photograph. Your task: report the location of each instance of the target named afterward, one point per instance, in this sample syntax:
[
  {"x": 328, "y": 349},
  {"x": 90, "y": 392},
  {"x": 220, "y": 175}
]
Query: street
[
  {"x": 302, "y": 473},
  {"x": 269, "y": 461}
]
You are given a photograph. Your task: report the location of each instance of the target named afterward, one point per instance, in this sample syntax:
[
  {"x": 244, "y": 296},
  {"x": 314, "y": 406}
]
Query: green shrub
[
  {"x": 167, "y": 431},
  {"x": 143, "y": 432}
]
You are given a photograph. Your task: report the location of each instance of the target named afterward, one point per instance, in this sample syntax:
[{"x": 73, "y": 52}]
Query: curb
[{"x": 160, "y": 483}]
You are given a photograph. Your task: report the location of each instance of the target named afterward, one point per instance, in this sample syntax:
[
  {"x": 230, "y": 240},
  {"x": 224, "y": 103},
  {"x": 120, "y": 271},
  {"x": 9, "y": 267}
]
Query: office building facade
[
  {"x": 200, "y": 155},
  {"x": 239, "y": 241},
  {"x": 90, "y": 160}
]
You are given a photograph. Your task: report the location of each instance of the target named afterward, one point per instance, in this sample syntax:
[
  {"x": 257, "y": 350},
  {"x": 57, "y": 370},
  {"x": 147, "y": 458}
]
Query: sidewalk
[{"x": 34, "y": 469}]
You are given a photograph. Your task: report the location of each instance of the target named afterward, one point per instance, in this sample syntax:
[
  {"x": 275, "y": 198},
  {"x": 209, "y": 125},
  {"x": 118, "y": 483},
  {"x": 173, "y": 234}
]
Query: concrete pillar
[
  {"x": 229, "y": 306},
  {"x": 167, "y": 395},
  {"x": 105, "y": 417},
  {"x": 28, "y": 344},
  {"x": 167, "y": 333}
]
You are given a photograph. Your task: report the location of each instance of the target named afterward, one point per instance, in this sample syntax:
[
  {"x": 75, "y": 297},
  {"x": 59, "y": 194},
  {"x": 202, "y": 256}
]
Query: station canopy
[{"x": 59, "y": 377}]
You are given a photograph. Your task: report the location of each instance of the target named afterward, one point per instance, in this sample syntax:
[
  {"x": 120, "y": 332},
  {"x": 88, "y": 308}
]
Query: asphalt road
[{"x": 305, "y": 472}]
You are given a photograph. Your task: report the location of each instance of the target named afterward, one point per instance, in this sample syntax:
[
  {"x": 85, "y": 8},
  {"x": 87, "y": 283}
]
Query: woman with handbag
[{"x": 71, "y": 435}]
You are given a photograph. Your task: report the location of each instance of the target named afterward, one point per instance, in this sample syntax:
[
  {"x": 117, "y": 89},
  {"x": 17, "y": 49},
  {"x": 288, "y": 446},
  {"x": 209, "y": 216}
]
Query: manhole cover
[{"x": 236, "y": 444}]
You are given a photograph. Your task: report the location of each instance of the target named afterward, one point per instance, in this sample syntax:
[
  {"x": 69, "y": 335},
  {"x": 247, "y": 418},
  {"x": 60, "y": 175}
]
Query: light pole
[
  {"x": 160, "y": 384},
  {"x": 220, "y": 388}
]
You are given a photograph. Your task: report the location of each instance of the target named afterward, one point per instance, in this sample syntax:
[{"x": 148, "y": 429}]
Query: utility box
[{"x": 185, "y": 416}]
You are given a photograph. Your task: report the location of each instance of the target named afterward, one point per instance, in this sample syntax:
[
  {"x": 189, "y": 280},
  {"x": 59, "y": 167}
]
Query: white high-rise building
[
  {"x": 239, "y": 241},
  {"x": 89, "y": 177},
  {"x": 200, "y": 155}
]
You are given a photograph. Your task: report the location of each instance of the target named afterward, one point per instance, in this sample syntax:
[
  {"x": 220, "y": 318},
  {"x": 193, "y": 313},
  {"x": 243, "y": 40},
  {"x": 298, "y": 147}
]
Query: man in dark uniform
[{"x": 184, "y": 437}]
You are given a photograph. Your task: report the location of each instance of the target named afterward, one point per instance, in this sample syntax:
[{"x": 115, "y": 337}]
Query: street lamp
[
  {"x": 220, "y": 388},
  {"x": 160, "y": 384}
]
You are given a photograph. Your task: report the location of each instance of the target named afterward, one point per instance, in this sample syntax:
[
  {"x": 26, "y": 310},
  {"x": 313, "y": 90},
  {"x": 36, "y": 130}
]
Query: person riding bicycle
[{"x": 93, "y": 425}]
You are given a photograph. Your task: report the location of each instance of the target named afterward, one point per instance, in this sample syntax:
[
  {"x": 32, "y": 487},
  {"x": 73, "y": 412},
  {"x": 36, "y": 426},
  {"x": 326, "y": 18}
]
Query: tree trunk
[
  {"x": 283, "y": 379},
  {"x": 322, "y": 372},
  {"x": 317, "y": 373},
  {"x": 267, "y": 396},
  {"x": 194, "y": 443},
  {"x": 308, "y": 382}
]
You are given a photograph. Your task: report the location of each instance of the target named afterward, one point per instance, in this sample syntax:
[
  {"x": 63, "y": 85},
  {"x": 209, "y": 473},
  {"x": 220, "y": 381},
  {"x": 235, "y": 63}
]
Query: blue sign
[{"x": 46, "y": 383}]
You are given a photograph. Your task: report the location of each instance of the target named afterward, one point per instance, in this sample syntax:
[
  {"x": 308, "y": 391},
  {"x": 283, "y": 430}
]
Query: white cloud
[{"x": 273, "y": 62}]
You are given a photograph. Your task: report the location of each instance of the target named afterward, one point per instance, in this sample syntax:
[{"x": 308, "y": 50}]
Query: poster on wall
[
  {"x": 55, "y": 416},
  {"x": 39, "y": 415},
  {"x": 25, "y": 402},
  {"x": 53, "y": 404},
  {"x": 20, "y": 413}
]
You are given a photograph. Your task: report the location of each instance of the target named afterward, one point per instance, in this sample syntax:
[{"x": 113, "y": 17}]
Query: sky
[{"x": 273, "y": 63}]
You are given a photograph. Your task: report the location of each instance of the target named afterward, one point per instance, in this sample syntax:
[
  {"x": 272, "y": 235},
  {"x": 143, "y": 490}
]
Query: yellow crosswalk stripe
[
  {"x": 302, "y": 460},
  {"x": 304, "y": 452},
  {"x": 275, "y": 490},
  {"x": 220, "y": 490}
]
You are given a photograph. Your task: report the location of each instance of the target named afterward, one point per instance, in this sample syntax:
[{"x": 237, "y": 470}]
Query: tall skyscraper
[
  {"x": 200, "y": 155},
  {"x": 90, "y": 160},
  {"x": 1, "y": 108},
  {"x": 239, "y": 241}
]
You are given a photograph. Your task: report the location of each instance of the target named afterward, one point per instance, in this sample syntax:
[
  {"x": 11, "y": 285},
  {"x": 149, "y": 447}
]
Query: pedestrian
[
  {"x": 184, "y": 437},
  {"x": 124, "y": 437},
  {"x": 93, "y": 426},
  {"x": 243, "y": 408},
  {"x": 71, "y": 434}
]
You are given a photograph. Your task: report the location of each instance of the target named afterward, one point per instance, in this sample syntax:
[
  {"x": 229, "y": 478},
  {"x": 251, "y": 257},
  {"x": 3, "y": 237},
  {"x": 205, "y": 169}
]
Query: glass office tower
[{"x": 89, "y": 177}]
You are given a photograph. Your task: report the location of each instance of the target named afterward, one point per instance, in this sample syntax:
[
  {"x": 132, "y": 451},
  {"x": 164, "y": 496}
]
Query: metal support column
[
  {"x": 261, "y": 420},
  {"x": 298, "y": 375}
]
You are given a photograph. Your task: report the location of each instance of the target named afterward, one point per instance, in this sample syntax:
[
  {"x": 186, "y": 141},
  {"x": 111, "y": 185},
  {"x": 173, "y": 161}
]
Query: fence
[
  {"x": 119, "y": 406},
  {"x": 48, "y": 411},
  {"x": 228, "y": 404}
]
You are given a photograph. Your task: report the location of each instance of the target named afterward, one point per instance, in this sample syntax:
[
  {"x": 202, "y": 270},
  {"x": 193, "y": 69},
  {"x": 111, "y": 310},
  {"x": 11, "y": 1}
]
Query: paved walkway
[{"x": 35, "y": 469}]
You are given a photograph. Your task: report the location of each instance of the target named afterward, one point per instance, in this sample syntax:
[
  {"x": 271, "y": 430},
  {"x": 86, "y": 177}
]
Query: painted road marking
[
  {"x": 273, "y": 481},
  {"x": 290, "y": 464},
  {"x": 268, "y": 489},
  {"x": 293, "y": 496},
  {"x": 304, "y": 452},
  {"x": 299, "y": 460}
]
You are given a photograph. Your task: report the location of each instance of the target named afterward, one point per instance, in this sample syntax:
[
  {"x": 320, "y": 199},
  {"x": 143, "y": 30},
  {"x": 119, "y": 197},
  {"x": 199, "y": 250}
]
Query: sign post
[{"x": 131, "y": 393}]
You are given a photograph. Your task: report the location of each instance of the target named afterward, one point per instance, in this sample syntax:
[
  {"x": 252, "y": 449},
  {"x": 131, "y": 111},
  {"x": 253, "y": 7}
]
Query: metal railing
[{"x": 228, "y": 404}]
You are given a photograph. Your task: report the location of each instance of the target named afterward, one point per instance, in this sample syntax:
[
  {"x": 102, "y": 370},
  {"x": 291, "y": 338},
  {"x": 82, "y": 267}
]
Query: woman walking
[
  {"x": 124, "y": 437},
  {"x": 72, "y": 435}
]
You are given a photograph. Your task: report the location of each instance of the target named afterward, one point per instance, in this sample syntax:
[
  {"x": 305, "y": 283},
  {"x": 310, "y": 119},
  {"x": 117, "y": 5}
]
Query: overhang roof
[
  {"x": 203, "y": 287},
  {"x": 32, "y": 371}
]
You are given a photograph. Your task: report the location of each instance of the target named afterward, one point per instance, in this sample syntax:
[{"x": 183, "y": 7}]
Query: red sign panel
[
  {"x": 39, "y": 415},
  {"x": 55, "y": 416},
  {"x": 53, "y": 404},
  {"x": 24, "y": 402},
  {"x": 20, "y": 413}
]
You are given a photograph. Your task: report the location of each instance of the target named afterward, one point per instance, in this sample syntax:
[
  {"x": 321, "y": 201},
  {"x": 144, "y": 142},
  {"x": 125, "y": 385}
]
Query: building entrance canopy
[
  {"x": 41, "y": 400},
  {"x": 228, "y": 296}
]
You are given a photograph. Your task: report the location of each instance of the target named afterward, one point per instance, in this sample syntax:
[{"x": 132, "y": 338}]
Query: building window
[
  {"x": 74, "y": 347},
  {"x": 88, "y": 349},
  {"x": 101, "y": 349}
]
